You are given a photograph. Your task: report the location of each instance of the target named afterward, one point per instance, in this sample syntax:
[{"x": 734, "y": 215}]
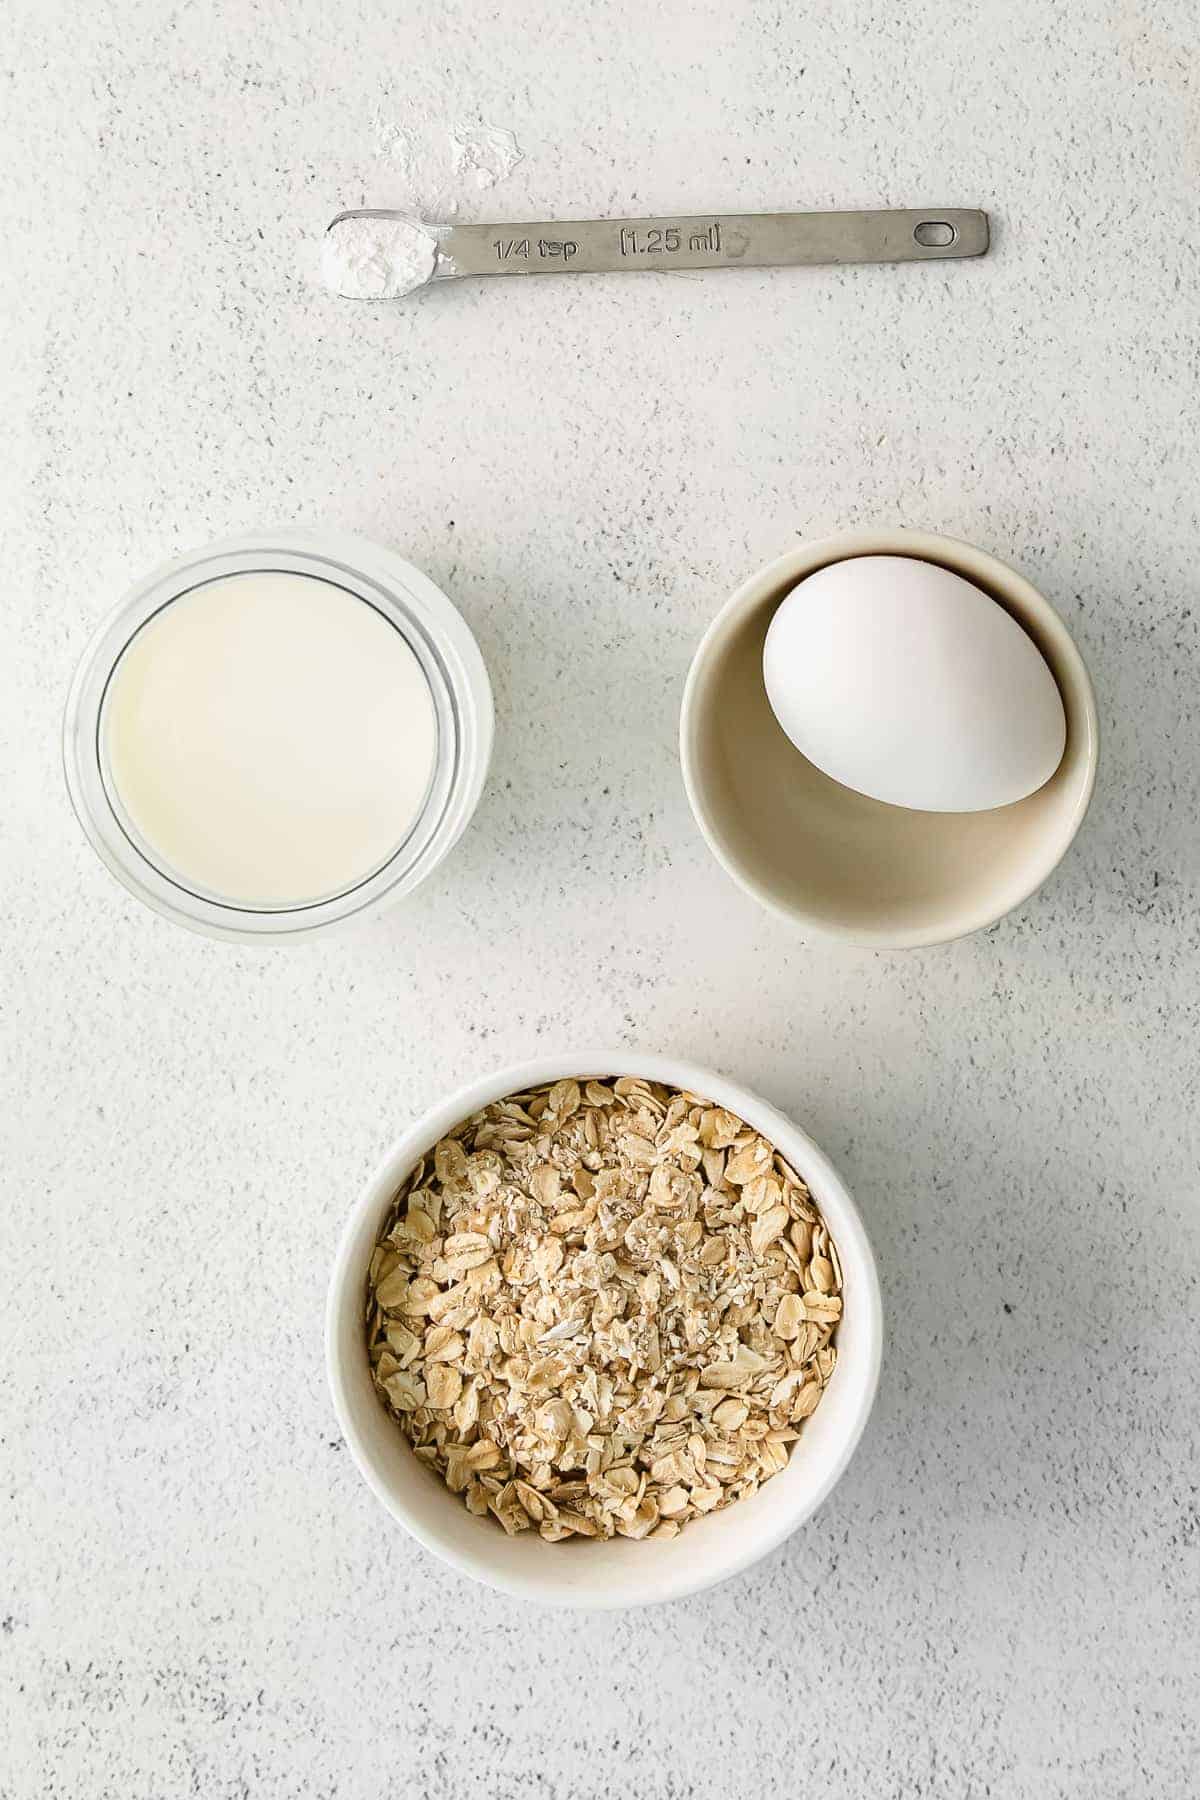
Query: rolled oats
[{"x": 603, "y": 1308}]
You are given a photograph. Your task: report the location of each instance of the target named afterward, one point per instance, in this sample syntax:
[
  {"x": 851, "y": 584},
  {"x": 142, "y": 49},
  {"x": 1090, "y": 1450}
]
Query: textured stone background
[{"x": 197, "y": 1594}]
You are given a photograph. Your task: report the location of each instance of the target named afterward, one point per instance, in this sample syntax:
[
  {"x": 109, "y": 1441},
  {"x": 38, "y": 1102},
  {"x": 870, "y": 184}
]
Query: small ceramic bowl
[
  {"x": 619, "y": 1573},
  {"x": 833, "y": 861}
]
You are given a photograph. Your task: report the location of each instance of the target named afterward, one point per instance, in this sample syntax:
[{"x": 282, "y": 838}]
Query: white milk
[{"x": 271, "y": 737}]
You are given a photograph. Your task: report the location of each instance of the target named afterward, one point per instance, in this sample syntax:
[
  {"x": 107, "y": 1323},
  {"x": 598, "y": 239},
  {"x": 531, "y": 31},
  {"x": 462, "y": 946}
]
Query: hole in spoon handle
[{"x": 935, "y": 234}]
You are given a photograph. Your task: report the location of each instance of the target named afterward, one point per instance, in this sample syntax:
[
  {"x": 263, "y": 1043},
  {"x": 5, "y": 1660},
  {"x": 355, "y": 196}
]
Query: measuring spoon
[{"x": 375, "y": 254}]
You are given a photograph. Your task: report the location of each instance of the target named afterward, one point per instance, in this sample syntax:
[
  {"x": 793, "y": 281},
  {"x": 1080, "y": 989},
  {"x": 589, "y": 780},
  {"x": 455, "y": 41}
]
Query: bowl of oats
[{"x": 603, "y": 1329}]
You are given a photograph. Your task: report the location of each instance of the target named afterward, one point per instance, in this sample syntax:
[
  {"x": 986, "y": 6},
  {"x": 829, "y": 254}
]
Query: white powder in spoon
[{"x": 366, "y": 258}]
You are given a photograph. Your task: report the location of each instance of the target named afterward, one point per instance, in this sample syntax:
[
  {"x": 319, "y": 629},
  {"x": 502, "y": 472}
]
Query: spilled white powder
[
  {"x": 430, "y": 154},
  {"x": 488, "y": 152},
  {"x": 365, "y": 258},
  {"x": 393, "y": 141}
]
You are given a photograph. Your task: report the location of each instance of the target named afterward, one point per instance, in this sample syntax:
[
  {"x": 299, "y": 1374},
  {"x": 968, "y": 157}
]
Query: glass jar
[{"x": 448, "y": 657}]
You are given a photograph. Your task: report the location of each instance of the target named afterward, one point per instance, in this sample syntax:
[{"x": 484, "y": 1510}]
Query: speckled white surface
[{"x": 197, "y": 1595}]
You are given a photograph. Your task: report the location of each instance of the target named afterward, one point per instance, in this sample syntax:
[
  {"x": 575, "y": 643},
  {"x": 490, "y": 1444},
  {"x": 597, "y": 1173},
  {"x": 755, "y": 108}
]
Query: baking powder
[{"x": 364, "y": 257}]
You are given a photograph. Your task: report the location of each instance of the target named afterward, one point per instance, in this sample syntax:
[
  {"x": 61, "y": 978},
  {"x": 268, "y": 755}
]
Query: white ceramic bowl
[
  {"x": 621, "y": 1572},
  {"x": 839, "y": 864}
]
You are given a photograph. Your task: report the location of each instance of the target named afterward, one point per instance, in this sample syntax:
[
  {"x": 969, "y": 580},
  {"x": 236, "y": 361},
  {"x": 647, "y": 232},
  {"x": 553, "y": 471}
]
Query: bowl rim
[
  {"x": 797, "y": 1146},
  {"x": 778, "y": 577}
]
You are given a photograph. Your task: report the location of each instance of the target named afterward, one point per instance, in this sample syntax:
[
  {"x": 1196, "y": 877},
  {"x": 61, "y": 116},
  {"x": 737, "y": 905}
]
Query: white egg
[{"x": 903, "y": 681}]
